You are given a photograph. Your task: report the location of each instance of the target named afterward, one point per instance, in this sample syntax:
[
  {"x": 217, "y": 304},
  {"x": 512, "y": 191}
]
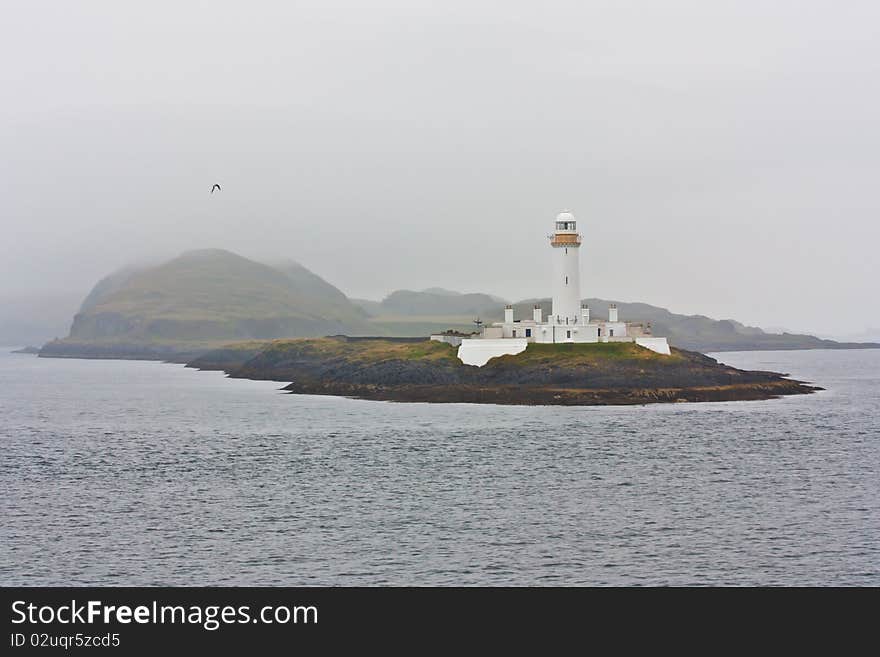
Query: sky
[{"x": 722, "y": 158}]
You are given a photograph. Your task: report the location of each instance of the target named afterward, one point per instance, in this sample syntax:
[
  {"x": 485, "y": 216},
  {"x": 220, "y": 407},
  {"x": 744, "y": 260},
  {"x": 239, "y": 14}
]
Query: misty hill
[
  {"x": 701, "y": 333},
  {"x": 433, "y": 301},
  {"x": 693, "y": 332},
  {"x": 204, "y": 297}
]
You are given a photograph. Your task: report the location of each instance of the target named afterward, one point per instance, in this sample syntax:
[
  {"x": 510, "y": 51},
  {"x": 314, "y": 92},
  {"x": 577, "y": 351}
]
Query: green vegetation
[
  {"x": 361, "y": 350},
  {"x": 570, "y": 354},
  {"x": 385, "y": 349}
]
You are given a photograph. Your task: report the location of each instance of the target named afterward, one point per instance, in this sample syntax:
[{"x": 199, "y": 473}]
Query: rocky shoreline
[
  {"x": 423, "y": 371},
  {"x": 550, "y": 396}
]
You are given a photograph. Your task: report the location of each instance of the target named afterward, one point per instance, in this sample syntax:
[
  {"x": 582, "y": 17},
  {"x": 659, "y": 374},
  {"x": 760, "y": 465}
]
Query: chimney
[
  {"x": 508, "y": 314},
  {"x": 612, "y": 312},
  {"x": 536, "y": 314}
]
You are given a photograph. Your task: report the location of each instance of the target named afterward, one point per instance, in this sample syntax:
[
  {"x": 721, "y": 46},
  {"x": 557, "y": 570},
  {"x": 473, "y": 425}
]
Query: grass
[
  {"x": 366, "y": 350},
  {"x": 571, "y": 354},
  {"x": 378, "y": 350}
]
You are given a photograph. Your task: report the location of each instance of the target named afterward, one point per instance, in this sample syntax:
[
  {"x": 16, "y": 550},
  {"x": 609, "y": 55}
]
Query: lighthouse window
[
  {"x": 566, "y": 280},
  {"x": 568, "y": 334},
  {"x": 566, "y": 250}
]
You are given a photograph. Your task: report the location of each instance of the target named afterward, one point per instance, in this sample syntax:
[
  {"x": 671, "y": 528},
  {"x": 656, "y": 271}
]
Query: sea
[{"x": 143, "y": 473}]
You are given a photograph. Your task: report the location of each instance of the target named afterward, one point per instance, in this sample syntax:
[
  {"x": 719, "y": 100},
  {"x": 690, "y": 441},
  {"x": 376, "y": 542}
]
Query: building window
[
  {"x": 568, "y": 334},
  {"x": 514, "y": 332},
  {"x": 610, "y": 333},
  {"x": 528, "y": 333}
]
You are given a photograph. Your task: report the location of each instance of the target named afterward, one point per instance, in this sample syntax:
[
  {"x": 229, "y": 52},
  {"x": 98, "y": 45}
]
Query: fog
[{"x": 721, "y": 157}]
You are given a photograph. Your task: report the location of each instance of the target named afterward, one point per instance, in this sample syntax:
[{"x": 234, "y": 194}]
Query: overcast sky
[{"x": 722, "y": 158}]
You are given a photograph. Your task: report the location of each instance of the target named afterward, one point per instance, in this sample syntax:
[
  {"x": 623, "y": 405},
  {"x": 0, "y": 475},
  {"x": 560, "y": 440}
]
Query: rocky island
[{"x": 420, "y": 370}]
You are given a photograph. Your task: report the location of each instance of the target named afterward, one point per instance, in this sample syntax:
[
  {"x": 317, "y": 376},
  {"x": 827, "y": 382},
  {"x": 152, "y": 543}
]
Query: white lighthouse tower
[{"x": 566, "y": 243}]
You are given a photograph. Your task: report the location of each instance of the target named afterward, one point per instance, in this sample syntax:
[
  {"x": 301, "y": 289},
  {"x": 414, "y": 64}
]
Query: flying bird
[{"x": 217, "y": 187}]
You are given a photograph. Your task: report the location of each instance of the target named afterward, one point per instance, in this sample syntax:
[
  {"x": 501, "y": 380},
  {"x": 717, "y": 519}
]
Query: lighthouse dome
[{"x": 565, "y": 221}]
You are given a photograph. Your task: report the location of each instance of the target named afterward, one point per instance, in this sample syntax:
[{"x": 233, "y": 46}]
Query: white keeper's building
[{"x": 569, "y": 320}]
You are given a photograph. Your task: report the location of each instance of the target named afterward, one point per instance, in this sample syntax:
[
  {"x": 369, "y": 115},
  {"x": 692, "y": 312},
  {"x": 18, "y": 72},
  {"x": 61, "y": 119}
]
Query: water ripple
[{"x": 132, "y": 473}]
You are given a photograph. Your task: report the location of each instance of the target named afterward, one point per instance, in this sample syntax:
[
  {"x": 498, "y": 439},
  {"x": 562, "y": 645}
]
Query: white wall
[
  {"x": 655, "y": 344},
  {"x": 478, "y": 351},
  {"x": 518, "y": 327},
  {"x": 619, "y": 329},
  {"x": 559, "y": 333}
]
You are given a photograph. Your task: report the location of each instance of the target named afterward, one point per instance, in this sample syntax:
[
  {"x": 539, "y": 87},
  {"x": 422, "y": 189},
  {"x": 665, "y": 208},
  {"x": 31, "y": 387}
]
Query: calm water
[{"x": 118, "y": 472}]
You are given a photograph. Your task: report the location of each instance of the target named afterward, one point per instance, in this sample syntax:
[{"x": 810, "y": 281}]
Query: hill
[
  {"x": 426, "y": 371},
  {"x": 206, "y": 298},
  {"x": 410, "y": 313},
  {"x": 701, "y": 333},
  {"x": 203, "y": 298},
  {"x": 407, "y": 312},
  {"x": 435, "y": 301}
]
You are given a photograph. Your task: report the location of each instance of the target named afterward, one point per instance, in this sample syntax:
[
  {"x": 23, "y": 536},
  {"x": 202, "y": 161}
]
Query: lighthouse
[
  {"x": 566, "y": 244},
  {"x": 568, "y": 322}
]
